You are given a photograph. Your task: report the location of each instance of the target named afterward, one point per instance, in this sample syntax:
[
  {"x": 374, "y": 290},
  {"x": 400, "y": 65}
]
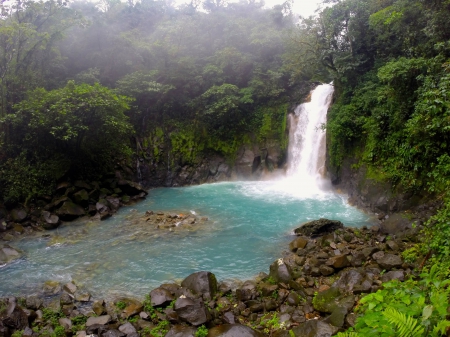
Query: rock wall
[{"x": 252, "y": 162}]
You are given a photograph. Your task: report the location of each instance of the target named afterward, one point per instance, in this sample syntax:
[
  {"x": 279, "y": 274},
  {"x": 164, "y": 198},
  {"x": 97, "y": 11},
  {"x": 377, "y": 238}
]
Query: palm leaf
[{"x": 407, "y": 326}]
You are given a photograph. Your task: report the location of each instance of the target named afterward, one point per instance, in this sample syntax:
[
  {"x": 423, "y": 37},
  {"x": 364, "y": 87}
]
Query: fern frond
[
  {"x": 347, "y": 334},
  {"x": 407, "y": 326}
]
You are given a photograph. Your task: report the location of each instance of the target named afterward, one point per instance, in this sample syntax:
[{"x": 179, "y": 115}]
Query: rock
[
  {"x": 202, "y": 282},
  {"x": 389, "y": 261},
  {"x": 233, "y": 330},
  {"x": 181, "y": 331},
  {"x": 28, "y": 332},
  {"x": 113, "y": 333},
  {"x": 81, "y": 197},
  {"x": 318, "y": 227},
  {"x": 337, "y": 317},
  {"x": 82, "y": 296},
  {"x": 280, "y": 271},
  {"x": 113, "y": 202},
  {"x": 70, "y": 287},
  {"x": 160, "y": 297},
  {"x": 127, "y": 328},
  {"x": 98, "y": 307},
  {"x": 267, "y": 289},
  {"x": 393, "y": 275},
  {"x": 65, "y": 323},
  {"x": 338, "y": 262},
  {"x": 326, "y": 270},
  {"x": 100, "y": 320},
  {"x": 8, "y": 254},
  {"x": 134, "y": 307},
  {"x": 192, "y": 311},
  {"x": 247, "y": 291},
  {"x": 65, "y": 299},
  {"x": 298, "y": 243},
  {"x": 131, "y": 188},
  {"x": 348, "y": 280},
  {"x": 314, "y": 328},
  {"x": 396, "y": 224},
  {"x": 96, "y": 329},
  {"x": 70, "y": 211},
  {"x": 18, "y": 215},
  {"x": 229, "y": 318},
  {"x": 15, "y": 317},
  {"x": 33, "y": 302},
  {"x": 51, "y": 221},
  {"x": 325, "y": 301}
]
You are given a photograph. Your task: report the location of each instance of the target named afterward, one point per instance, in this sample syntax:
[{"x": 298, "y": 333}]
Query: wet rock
[
  {"x": 18, "y": 215},
  {"x": 247, "y": 291},
  {"x": 127, "y": 328},
  {"x": 133, "y": 307},
  {"x": 131, "y": 188},
  {"x": 202, "y": 282},
  {"x": 338, "y": 262},
  {"x": 396, "y": 224},
  {"x": 181, "y": 331},
  {"x": 280, "y": 271},
  {"x": 298, "y": 243},
  {"x": 100, "y": 320},
  {"x": 348, "y": 280},
  {"x": 69, "y": 211},
  {"x": 51, "y": 288},
  {"x": 33, "y": 302},
  {"x": 229, "y": 318},
  {"x": 81, "y": 197},
  {"x": 160, "y": 297},
  {"x": 70, "y": 287},
  {"x": 113, "y": 202},
  {"x": 66, "y": 299},
  {"x": 82, "y": 296},
  {"x": 96, "y": 329},
  {"x": 192, "y": 311},
  {"x": 233, "y": 330},
  {"x": 14, "y": 317},
  {"x": 51, "y": 221},
  {"x": 393, "y": 275},
  {"x": 318, "y": 227},
  {"x": 113, "y": 333},
  {"x": 389, "y": 261},
  {"x": 267, "y": 289},
  {"x": 8, "y": 254},
  {"x": 314, "y": 328}
]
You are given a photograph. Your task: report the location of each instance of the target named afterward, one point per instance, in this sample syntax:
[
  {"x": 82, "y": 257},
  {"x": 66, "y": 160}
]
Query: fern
[
  {"x": 407, "y": 326},
  {"x": 347, "y": 334}
]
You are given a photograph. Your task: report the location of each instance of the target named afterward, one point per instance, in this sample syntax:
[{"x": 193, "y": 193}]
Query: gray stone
[
  {"x": 233, "y": 330},
  {"x": 192, "y": 311},
  {"x": 203, "y": 283},
  {"x": 65, "y": 323},
  {"x": 181, "y": 331},
  {"x": 70, "y": 287},
  {"x": 8, "y": 254},
  {"x": 127, "y": 328},
  {"x": 51, "y": 221},
  {"x": 314, "y": 328},
  {"x": 298, "y": 243},
  {"x": 101, "y": 320},
  {"x": 280, "y": 271},
  {"x": 247, "y": 291},
  {"x": 70, "y": 211},
  {"x": 393, "y": 275},
  {"x": 18, "y": 215},
  {"x": 318, "y": 227},
  {"x": 113, "y": 333},
  {"x": 396, "y": 224},
  {"x": 33, "y": 302},
  {"x": 160, "y": 297},
  {"x": 389, "y": 261}
]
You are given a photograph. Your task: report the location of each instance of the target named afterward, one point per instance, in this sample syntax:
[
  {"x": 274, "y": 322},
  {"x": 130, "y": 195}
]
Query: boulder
[
  {"x": 202, "y": 283},
  {"x": 338, "y": 262},
  {"x": 160, "y": 297},
  {"x": 131, "y": 188},
  {"x": 113, "y": 333},
  {"x": 280, "y": 271},
  {"x": 8, "y": 254},
  {"x": 298, "y": 243},
  {"x": 396, "y": 224},
  {"x": 127, "y": 328},
  {"x": 81, "y": 197},
  {"x": 318, "y": 227},
  {"x": 233, "y": 330},
  {"x": 314, "y": 328},
  {"x": 247, "y": 292},
  {"x": 51, "y": 221},
  {"x": 33, "y": 302},
  {"x": 181, "y": 331},
  {"x": 70, "y": 211},
  {"x": 100, "y": 320},
  {"x": 393, "y": 275},
  {"x": 192, "y": 311},
  {"x": 18, "y": 215},
  {"x": 14, "y": 317},
  {"x": 389, "y": 261}
]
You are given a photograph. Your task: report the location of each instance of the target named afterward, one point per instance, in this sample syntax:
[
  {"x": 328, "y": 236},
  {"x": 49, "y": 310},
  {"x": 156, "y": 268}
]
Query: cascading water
[{"x": 306, "y": 152}]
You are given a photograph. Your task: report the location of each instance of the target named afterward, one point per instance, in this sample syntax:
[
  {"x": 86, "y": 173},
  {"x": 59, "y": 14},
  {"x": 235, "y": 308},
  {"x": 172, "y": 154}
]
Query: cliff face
[
  {"x": 251, "y": 162},
  {"x": 371, "y": 193}
]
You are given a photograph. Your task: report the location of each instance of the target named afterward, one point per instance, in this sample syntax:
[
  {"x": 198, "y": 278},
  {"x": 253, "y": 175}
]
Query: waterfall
[{"x": 306, "y": 151}]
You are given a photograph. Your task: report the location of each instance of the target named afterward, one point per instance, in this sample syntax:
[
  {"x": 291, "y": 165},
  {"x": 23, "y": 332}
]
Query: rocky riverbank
[{"x": 310, "y": 291}]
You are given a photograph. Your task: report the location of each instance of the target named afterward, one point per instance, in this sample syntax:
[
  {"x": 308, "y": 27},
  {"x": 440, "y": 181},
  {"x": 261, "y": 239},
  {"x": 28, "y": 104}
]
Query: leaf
[
  {"x": 407, "y": 326},
  {"x": 427, "y": 311}
]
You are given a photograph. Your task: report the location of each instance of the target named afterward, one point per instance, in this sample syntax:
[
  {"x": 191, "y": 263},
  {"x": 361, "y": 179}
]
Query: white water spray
[{"x": 306, "y": 152}]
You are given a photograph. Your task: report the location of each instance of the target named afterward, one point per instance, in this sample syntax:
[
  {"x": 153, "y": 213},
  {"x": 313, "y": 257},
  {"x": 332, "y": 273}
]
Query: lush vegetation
[
  {"x": 389, "y": 61},
  {"x": 83, "y": 83}
]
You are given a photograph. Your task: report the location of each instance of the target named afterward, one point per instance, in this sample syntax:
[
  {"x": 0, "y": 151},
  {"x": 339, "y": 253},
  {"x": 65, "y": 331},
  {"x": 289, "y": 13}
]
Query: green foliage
[
  {"x": 161, "y": 329},
  {"x": 412, "y": 308},
  {"x": 78, "y": 323},
  {"x": 59, "y": 331},
  {"x": 17, "y": 333},
  {"x": 121, "y": 305},
  {"x": 48, "y": 315},
  {"x": 202, "y": 331}
]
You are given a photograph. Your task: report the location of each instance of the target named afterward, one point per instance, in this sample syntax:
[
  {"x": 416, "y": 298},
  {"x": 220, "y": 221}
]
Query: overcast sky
[{"x": 302, "y": 7}]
